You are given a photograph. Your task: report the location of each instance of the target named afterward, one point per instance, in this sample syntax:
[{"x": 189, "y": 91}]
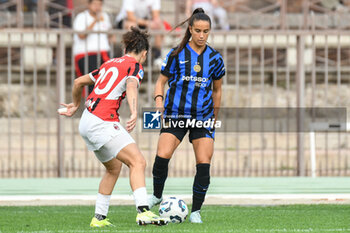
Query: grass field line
[
  {"x": 211, "y": 199},
  {"x": 219, "y": 219},
  {"x": 226, "y": 230}
]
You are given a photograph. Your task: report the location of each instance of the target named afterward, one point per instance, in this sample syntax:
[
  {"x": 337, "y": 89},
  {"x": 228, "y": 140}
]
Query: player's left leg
[
  {"x": 203, "y": 148},
  {"x": 132, "y": 157}
]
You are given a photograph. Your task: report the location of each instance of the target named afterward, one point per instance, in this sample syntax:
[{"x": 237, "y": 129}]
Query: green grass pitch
[{"x": 288, "y": 218}]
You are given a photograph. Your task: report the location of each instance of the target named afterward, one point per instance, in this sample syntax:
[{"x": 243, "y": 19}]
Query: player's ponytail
[
  {"x": 135, "y": 41},
  {"x": 198, "y": 14}
]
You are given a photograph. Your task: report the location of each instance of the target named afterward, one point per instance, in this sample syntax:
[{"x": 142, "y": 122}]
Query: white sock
[
  {"x": 102, "y": 204},
  {"x": 140, "y": 196}
]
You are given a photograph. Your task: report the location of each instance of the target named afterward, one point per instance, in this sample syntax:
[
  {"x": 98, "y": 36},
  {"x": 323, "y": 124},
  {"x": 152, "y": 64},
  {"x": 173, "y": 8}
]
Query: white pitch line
[
  {"x": 60, "y": 197},
  {"x": 211, "y": 199},
  {"x": 223, "y": 196},
  {"x": 331, "y": 196}
]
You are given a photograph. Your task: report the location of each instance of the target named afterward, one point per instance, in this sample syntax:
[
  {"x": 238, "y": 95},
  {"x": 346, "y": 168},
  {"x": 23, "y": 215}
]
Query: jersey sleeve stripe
[
  {"x": 92, "y": 77},
  {"x": 137, "y": 69},
  {"x": 220, "y": 71},
  {"x": 169, "y": 66},
  {"x": 220, "y": 76},
  {"x": 166, "y": 73},
  {"x": 93, "y": 74}
]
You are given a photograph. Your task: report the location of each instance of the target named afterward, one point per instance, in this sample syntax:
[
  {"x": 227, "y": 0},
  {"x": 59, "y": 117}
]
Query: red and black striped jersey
[{"x": 110, "y": 86}]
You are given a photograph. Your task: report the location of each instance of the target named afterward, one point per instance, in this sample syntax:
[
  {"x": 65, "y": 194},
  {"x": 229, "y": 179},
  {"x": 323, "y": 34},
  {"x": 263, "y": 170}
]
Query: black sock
[
  {"x": 142, "y": 208},
  {"x": 160, "y": 173},
  {"x": 100, "y": 217},
  {"x": 200, "y": 185}
]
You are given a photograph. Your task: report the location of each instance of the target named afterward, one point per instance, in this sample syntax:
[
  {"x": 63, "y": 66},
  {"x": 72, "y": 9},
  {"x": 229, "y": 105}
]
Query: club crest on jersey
[
  {"x": 90, "y": 103},
  {"x": 197, "y": 68}
]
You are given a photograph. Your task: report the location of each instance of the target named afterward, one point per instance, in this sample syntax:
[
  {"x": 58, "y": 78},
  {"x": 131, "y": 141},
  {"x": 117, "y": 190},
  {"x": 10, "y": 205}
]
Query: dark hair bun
[
  {"x": 135, "y": 40},
  {"x": 198, "y": 10}
]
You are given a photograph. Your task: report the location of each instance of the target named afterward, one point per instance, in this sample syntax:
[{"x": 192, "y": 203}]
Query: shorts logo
[
  {"x": 116, "y": 127},
  {"x": 151, "y": 120}
]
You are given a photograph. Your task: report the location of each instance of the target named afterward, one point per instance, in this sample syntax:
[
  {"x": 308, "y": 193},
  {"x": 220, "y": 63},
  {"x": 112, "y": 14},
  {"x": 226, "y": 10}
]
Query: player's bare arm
[
  {"x": 217, "y": 91},
  {"x": 159, "y": 91},
  {"x": 78, "y": 86},
  {"x": 131, "y": 95}
]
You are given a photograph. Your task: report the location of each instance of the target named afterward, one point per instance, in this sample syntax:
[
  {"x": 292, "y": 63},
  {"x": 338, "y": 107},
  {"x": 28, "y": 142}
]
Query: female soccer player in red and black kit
[
  {"x": 100, "y": 128},
  {"x": 194, "y": 72}
]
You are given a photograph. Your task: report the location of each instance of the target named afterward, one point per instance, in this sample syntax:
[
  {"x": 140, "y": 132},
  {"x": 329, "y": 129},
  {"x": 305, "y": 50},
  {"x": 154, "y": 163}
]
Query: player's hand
[
  {"x": 130, "y": 125},
  {"x": 71, "y": 109},
  {"x": 159, "y": 106},
  {"x": 160, "y": 109}
]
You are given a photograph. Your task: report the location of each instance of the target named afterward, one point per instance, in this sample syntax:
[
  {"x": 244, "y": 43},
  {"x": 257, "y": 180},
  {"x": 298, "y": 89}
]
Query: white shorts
[{"x": 105, "y": 138}]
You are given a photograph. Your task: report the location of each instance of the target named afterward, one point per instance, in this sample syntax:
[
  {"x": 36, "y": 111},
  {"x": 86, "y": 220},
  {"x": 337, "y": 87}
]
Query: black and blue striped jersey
[{"x": 190, "y": 82}]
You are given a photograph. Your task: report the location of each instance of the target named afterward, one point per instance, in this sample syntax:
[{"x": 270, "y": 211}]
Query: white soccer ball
[{"x": 174, "y": 209}]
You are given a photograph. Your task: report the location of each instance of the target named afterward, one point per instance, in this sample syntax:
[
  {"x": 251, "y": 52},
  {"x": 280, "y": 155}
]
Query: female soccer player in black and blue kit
[{"x": 194, "y": 72}]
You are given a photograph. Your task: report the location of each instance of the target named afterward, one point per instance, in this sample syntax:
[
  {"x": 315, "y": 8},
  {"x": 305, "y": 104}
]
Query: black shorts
[{"x": 179, "y": 130}]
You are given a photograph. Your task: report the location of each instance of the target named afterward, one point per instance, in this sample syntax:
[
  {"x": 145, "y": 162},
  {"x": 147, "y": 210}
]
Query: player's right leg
[
  {"x": 107, "y": 155},
  {"x": 168, "y": 141},
  {"x": 132, "y": 157},
  {"x": 106, "y": 187}
]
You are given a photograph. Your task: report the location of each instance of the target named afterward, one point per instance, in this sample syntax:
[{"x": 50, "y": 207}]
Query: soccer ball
[{"x": 174, "y": 209}]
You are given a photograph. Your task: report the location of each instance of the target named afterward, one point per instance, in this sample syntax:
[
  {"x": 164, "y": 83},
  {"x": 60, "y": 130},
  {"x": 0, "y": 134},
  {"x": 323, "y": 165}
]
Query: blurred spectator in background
[
  {"x": 294, "y": 6},
  {"x": 91, "y": 49},
  {"x": 213, "y": 9},
  {"x": 30, "y": 5},
  {"x": 146, "y": 15},
  {"x": 334, "y": 5},
  {"x": 56, "y": 6}
]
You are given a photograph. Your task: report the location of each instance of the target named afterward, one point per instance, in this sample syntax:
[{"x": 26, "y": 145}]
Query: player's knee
[
  {"x": 164, "y": 153},
  {"x": 138, "y": 162},
  {"x": 143, "y": 162},
  {"x": 205, "y": 160},
  {"x": 113, "y": 171}
]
